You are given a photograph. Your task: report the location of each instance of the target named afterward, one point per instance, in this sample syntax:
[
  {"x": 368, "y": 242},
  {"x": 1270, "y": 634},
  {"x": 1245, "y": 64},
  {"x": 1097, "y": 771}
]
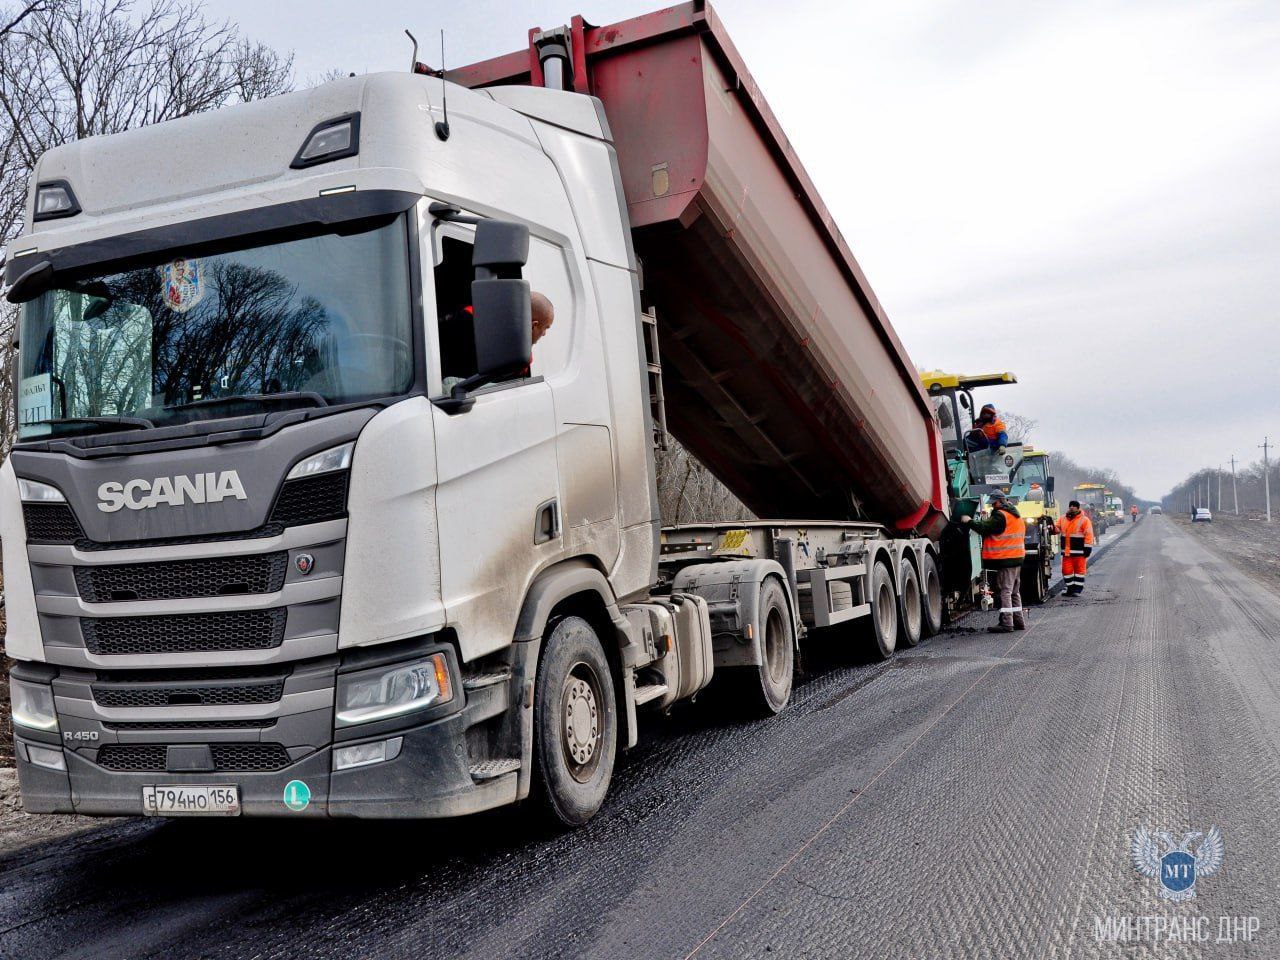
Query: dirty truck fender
[{"x": 732, "y": 591}]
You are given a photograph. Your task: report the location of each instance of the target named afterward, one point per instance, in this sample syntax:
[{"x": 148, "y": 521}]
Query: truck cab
[{"x": 277, "y": 508}]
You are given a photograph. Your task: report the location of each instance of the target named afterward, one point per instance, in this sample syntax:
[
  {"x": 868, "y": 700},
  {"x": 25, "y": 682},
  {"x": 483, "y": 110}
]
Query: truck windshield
[
  {"x": 313, "y": 321},
  {"x": 1032, "y": 470}
]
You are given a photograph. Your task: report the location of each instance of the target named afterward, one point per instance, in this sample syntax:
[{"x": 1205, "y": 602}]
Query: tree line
[
  {"x": 1202, "y": 488},
  {"x": 71, "y": 69}
]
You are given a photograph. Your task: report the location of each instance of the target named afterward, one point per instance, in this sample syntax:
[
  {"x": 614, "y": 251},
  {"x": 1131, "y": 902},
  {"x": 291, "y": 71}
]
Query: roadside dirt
[{"x": 1252, "y": 545}]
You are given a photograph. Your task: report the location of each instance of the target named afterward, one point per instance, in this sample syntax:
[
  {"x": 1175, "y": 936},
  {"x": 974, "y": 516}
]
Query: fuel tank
[{"x": 781, "y": 370}]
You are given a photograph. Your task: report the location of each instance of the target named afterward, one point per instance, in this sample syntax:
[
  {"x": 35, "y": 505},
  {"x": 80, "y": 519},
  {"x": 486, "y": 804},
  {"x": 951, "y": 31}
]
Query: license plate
[{"x": 198, "y": 800}]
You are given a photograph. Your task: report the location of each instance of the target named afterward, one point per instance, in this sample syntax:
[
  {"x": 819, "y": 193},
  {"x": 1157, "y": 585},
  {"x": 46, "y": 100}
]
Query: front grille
[
  {"x": 249, "y": 757},
  {"x": 227, "y": 757},
  {"x": 133, "y": 757},
  {"x": 127, "y": 725},
  {"x": 51, "y": 523},
  {"x": 259, "y": 533},
  {"x": 311, "y": 500},
  {"x": 184, "y": 633},
  {"x": 182, "y": 579},
  {"x": 264, "y": 690}
]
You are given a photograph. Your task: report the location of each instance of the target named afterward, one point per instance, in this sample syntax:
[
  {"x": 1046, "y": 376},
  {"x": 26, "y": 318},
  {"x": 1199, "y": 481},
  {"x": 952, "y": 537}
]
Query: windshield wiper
[
  {"x": 130, "y": 423},
  {"x": 306, "y": 396}
]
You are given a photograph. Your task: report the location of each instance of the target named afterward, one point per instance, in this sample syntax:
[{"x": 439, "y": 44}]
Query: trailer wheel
[
  {"x": 575, "y": 723},
  {"x": 931, "y": 588},
  {"x": 883, "y": 626},
  {"x": 910, "y": 605},
  {"x": 768, "y": 687}
]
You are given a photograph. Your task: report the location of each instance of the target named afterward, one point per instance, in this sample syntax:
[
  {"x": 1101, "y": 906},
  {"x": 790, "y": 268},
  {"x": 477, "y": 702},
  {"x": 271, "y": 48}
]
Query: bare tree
[
  {"x": 78, "y": 68},
  {"x": 16, "y": 18}
]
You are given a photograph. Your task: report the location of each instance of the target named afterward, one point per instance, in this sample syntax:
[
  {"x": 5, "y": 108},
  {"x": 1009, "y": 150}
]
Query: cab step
[
  {"x": 649, "y": 692},
  {"x": 476, "y": 681},
  {"x": 492, "y": 769}
]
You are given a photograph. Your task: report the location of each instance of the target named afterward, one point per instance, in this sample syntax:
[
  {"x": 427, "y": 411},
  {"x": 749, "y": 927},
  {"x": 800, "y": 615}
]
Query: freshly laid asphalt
[{"x": 973, "y": 797}]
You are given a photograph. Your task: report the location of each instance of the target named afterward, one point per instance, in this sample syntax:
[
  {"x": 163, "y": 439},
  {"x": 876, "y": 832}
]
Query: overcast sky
[{"x": 1085, "y": 193}]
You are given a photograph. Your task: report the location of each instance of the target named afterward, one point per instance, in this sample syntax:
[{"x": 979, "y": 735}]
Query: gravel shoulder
[{"x": 1249, "y": 543}]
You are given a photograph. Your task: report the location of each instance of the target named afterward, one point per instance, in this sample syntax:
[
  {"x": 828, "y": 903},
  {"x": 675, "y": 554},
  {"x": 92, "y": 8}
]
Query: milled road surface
[{"x": 971, "y": 798}]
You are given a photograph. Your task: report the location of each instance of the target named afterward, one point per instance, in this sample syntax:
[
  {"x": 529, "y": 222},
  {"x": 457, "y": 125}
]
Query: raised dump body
[{"x": 781, "y": 371}]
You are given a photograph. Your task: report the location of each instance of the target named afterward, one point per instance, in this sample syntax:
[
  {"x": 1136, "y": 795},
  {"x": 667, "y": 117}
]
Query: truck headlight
[
  {"x": 391, "y": 691},
  {"x": 32, "y": 705},
  {"x": 33, "y": 491},
  {"x": 326, "y": 461}
]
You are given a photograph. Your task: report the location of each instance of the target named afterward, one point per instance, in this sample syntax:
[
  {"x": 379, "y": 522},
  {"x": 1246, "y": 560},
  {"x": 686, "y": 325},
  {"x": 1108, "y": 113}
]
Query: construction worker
[
  {"x": 1133, "y": 512},
  {"x": 988, "y": 431},
  {"x": 1004, "y": 547},
  {"x": 1076, "y": 530}
]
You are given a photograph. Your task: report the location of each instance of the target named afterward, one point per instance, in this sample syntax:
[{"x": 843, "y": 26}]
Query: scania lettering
[
  {"x": 173, "y": 491},
  {"x": 303, "y": 521}
]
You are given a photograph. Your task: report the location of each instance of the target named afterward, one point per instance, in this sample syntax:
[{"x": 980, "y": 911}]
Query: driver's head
[
  {"x": 543, "y": 314},
  {"x": 987, "y": 413}
]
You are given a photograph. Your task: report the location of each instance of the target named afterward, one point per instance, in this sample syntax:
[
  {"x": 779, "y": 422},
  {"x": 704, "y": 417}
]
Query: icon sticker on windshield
[{"x": 183, "y": 284}]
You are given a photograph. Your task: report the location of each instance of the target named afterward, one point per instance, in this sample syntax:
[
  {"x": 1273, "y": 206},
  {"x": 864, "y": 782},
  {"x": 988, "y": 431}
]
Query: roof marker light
[
  {"x": 331, "y": 140},
  {"x": 55, "y": 200}
]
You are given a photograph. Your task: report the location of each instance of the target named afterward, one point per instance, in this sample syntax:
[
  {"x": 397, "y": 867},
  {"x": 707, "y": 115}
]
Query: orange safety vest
[
  {"x": 1010, "y": 545},
  {"x": 993, "y": 429},
  {"x": 1077, "y": 533},
  {"x": 1134, "y": 509}
]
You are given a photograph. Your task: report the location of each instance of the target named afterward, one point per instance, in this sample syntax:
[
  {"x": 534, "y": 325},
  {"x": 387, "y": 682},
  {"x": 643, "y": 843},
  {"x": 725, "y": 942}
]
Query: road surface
[{"x": 971, "y": 798}]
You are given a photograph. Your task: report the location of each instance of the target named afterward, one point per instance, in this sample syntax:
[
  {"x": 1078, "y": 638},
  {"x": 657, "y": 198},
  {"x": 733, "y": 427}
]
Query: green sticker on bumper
[{"x": 297, "y": 795}]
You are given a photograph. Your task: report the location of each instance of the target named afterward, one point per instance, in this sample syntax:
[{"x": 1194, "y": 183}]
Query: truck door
[{"x": 498, "y": 499}]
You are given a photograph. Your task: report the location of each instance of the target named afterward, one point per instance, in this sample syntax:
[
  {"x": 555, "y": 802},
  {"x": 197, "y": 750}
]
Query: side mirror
[
  {"x": 1048, "y": 484},
  {"x": 502, "y": 312},
  {"x": 500, "y": 299},
  {"x": 34, "y": 281}
]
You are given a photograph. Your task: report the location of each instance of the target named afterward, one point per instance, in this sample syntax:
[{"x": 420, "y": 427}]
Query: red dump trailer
[{"x": 781, "y": 370}]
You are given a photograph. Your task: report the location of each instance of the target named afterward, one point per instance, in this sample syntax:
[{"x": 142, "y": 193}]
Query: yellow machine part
[{"x": 941, "y": 380}]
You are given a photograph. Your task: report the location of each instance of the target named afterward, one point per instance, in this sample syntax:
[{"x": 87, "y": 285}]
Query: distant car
[
  {"x": 1155, "y": 510},
  {"x": 1202, "y": 513}
]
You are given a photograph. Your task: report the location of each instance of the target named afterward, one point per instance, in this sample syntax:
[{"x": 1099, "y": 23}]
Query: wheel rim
[
  {"x": 884, "y": 609},
  {"x": 581, "y": 722},
  {"x": 933, "y": 586},
  {"x": 775, "y": 645},
  {"x": 911, "y": 602}
]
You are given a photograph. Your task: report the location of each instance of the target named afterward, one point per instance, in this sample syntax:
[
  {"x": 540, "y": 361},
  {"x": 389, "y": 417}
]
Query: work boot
[
  {"x": 1019, "y": 624},
  {"x": 999, "y": 628}
]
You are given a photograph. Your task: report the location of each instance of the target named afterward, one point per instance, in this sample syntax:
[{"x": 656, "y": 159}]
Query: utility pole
[
  {"x": 1235, "y": 496},
  {"x": 1266, "y": 475},
  {"x": 1219, "y": 473}
]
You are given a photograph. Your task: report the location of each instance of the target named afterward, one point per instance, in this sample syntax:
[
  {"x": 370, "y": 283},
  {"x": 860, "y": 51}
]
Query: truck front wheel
[{"x": 575, "y": 723}]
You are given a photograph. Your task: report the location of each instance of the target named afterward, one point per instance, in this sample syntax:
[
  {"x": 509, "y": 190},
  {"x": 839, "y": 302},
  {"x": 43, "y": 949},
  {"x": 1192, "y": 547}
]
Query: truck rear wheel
[
  {"x": 883, "y": 625},
  {"x": 931, "y": 592},
  {"x": 768, "y": 687},
  {"x": 575, "y": 729},
  {"x": 910, "y": 605}
]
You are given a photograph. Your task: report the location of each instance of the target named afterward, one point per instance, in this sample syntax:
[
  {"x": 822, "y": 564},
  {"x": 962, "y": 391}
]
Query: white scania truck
[{"x": 300, "y": 520}]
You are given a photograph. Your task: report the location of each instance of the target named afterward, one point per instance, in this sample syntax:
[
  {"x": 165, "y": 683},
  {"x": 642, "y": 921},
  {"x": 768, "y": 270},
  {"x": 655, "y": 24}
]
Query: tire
[
  {"x": 767, "y": 688},
  {"x": 931, "y": 592},
  {"x": 575, "y": 724},
  {"x": 882, "y": 626},
  {"x": 1035, "y": 584},
  {"x": 910, "y": 606}
]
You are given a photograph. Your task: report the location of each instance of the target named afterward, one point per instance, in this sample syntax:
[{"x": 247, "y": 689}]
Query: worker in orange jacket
[
  {"x": 989, "y": 431},
  {"x": 1133, "y": 512},
  {"x": 1076, "y": 530},
  {"x": 1004, "y": 547}
]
